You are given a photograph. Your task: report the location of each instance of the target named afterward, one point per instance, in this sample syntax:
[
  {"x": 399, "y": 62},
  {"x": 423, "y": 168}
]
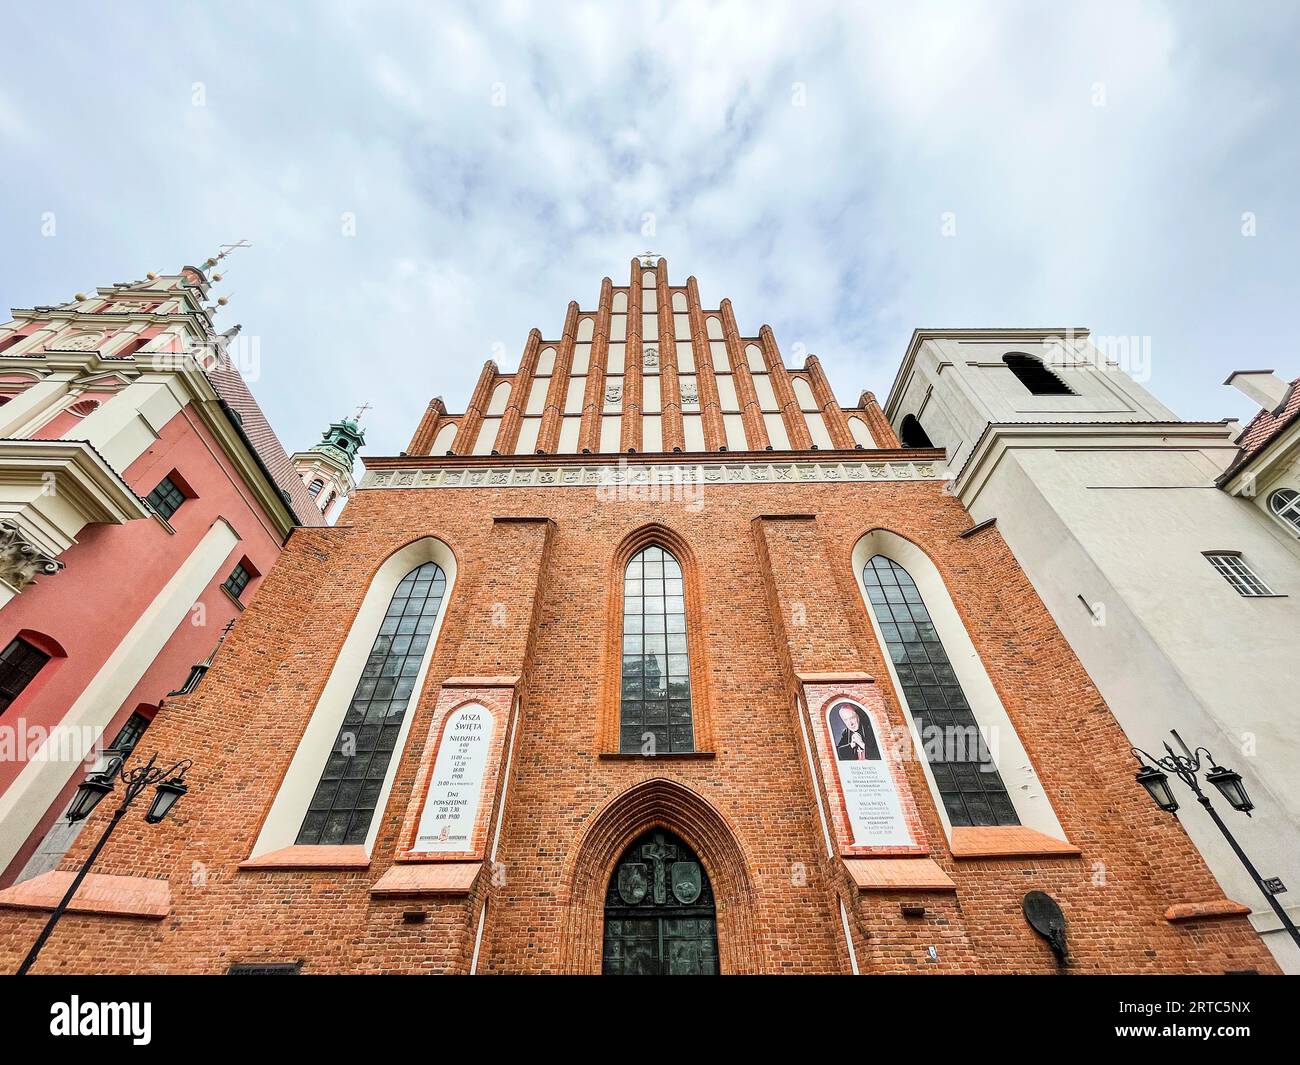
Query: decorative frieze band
[{"x": 626, "y": 473}]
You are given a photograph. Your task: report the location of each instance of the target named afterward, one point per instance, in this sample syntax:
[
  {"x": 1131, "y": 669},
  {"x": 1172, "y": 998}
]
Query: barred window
[
  {"x": 314, "y": 488},
  {"x": 19, "y": 664},
  {"x": 130, "y": 734},
  {"x": 656, "y": 680},
  {"x": 969, "y": 783},
  {"x": 166, "y": 498},
  {"x": 344, "y": 803},
  {"x": 1235, "y": 571}
]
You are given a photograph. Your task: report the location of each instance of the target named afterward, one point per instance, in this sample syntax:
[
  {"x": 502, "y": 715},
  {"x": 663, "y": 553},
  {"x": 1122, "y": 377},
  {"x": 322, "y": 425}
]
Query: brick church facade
[{"x": 654, "y": 658}]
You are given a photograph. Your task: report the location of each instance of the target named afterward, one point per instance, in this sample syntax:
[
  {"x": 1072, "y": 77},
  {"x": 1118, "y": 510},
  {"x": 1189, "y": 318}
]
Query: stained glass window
[
  {"x": 344, "y": 804},
  {"x": 969, "y": 784},
  {"x": 656, "y": 678}
]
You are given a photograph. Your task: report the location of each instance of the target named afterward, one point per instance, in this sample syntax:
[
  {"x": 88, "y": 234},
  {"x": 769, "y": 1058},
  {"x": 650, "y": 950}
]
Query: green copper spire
[{"x": 342, "y": 440}]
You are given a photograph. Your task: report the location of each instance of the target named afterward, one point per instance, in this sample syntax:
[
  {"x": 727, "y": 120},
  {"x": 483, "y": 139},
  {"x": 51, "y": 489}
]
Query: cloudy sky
[{"x": 845, "y": 173}]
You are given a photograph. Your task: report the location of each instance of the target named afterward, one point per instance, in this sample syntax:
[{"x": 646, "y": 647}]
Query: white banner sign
[
  {"x": 456, "y": 788},
  {"x": 871, "y": 799}
]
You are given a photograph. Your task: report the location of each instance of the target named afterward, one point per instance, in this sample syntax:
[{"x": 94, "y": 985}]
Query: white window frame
[
  {"x": 1009, "y": 755},
  {"x": 1288, "y": 512},
  {"x": 283, "y": 821},
  {"x": 1237, "y": 572}
]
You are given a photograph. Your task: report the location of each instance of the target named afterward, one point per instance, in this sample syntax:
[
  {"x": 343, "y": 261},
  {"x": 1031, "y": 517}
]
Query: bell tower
[{"x": 326, "y": 468}]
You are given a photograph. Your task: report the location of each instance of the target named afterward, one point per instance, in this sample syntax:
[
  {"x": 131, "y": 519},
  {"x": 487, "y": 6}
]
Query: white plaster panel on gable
[
  {"x": 528, "y": 430},
  {"x": 804, "y": 394},
  {"x": 766, "y": 394},
  {"x": 718, "y": 352},
  {"x": 545, "y": 362},
  {"x": 652, "y": 438},
  {"x": 581, "y": 359},
  {"x": 679, "y": 301},
  {"x": 569, "y": 432},
  {"x": 487, "y": 436},
  {"x": 610, "y": 429},
  {"x": 776, "y": 434},
  {"x": 500, "y": 397},
  {"x": 577, "y": 388},
  {"x": 537, "y": 395},
  {"x": 861, "y": 434},
  {"x": 685, "y": 356},
  {"x": 443, "y": 441},
  {"x": 618, "y": 327},
  {"x": 619, "y": 304},
  {"x": 586, "y": 329},
  {"x": 713, "y": 327}
]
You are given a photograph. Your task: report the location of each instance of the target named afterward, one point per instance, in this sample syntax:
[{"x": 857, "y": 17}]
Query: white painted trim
[
  {"x": 28, "y": 798},
  {"x": 1022, "y": 783},
  {"x": 280, "y": 829}
]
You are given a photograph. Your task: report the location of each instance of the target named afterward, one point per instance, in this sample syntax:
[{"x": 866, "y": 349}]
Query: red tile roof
[
  {"x": 1265, "y": 425},
  {"x": 231, "y": 387}
]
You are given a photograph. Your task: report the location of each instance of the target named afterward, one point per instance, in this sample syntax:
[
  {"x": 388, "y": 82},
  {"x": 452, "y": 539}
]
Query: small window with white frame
[
  {"x": 1237, "y": 573},
  {"x": 1285, "y": 504}
]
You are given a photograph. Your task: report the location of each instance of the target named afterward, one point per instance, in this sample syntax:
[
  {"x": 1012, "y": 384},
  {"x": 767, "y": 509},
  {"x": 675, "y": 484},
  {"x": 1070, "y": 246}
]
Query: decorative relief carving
[
  {"x": 613, "y": 392},
  {"x": 20, "y": 562},
  {"x": 650, "y": 359},
  {"x": 645, "y": 473},
  {"x": 690, "y": 394}
]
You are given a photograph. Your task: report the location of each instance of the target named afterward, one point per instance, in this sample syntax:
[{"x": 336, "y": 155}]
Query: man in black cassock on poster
[{"x": 856, "y": 742}]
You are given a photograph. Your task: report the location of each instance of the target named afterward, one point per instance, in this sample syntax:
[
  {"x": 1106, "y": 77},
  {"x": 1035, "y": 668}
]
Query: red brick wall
[{"x": 748, "y": 811}]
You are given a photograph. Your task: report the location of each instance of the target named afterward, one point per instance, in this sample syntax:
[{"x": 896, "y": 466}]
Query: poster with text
[
  {"x": 871, "y": 800},
  {"x": 456, "y": 788}
]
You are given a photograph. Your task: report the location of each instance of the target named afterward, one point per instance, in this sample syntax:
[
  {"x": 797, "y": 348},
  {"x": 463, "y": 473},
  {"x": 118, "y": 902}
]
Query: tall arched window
[
  {"x": 655, "y": 697},
  {"x": 910, "y": 433},
  {"x": 968, "y": 781},
  {"x": 314, "y": 488},
  {"x": 1035, "y": 376},
  {"x": 341, "y": 810},
  {"x": 1285, "y": 503}
]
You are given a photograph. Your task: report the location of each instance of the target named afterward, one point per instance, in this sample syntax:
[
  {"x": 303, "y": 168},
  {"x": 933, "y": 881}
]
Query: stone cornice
[
  {"x": 615, "y": 472},
  {"x": 999, "y": 437}
]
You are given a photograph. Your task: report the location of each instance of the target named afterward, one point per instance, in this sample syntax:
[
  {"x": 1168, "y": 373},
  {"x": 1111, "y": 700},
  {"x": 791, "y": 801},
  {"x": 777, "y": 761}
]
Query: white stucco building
[{"x": 1168, "y": 552}]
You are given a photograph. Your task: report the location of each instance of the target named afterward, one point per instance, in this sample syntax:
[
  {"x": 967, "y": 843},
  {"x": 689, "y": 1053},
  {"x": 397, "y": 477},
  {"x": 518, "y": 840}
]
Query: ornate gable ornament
[{"x": 20, "y": 562}]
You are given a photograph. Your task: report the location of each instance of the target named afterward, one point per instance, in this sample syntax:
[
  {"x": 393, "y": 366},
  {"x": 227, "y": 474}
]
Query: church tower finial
[{"x": 326, "y": 468}]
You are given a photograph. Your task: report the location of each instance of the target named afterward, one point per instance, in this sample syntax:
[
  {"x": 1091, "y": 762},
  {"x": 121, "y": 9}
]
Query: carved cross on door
[{"x": 659, "y": 853}]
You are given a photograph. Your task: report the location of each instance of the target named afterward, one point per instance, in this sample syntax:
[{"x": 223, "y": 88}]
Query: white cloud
[{"x": 475, "y": 222}]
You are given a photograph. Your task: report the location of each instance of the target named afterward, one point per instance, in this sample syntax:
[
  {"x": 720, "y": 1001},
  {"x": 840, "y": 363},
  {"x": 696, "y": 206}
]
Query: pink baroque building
[{"x": 142, "y": 497}]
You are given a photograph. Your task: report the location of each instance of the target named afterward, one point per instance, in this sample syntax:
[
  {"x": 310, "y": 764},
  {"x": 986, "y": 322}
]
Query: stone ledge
[
  {"x": 101, "y": 893},
  {"x": 311, "y": 857},
  {"x": 1008, "y": 841},
  {"x": 480, "y": 682},
  {"x": 836, "y": 678},
  {"x": 1197, "y": 911},
  {"x": 430, "y": 878},
  {"x": 898, "y": 874}
]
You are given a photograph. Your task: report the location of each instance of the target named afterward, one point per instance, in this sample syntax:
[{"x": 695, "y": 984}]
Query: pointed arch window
[
  {"x": 344, "y": 803},
  {"x": 1035, "y": 376},
  {"x": 655, "y": 702},
  {"x": 969, "y": 783}
]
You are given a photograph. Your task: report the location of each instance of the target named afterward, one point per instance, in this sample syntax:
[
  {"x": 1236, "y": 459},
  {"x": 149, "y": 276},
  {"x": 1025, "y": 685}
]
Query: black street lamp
[
  {"x": 1185, "y": 767},
  {"x": 170, "y": 787}
]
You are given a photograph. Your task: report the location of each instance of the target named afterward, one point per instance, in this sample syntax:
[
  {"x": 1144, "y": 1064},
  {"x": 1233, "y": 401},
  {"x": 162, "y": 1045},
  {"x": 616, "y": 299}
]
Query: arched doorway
[{"x": 660, "y": 918}]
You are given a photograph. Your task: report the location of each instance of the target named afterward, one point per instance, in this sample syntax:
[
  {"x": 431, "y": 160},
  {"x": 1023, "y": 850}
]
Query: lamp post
[
  {"x": 170, "y": 787},
  {"x": 1186, "y": 766}
]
